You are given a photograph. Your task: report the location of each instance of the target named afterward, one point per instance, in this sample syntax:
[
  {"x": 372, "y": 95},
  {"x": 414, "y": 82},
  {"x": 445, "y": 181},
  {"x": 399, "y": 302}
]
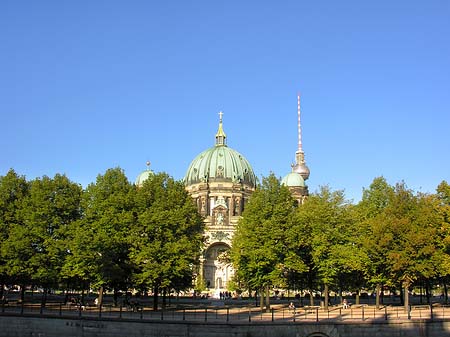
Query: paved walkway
[{"x": 241, "y": 314}]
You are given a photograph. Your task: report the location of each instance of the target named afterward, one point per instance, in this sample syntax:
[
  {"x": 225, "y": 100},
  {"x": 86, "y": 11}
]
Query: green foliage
[
  {"x": 374, "y": 239},
  {"x": 167, "y": 237},
  {"x": 403, "y": 237},
  {"x": 13, "y": 190},
  {"x": 98, "y": 246},
  {"x": 259, "y": 244},
  {"x": 415, "y": 248},
  {"x": 35, "y": 248},
  {"x": 326, "y": 222},
  {"x": 443, "y": 193},
  {"x": 115, "y": 235},
  {"x": 200, "y": 284}
]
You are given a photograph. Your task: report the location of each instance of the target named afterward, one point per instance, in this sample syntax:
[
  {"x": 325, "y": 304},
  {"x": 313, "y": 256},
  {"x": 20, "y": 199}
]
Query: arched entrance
[{"x": 216, "y": 273}]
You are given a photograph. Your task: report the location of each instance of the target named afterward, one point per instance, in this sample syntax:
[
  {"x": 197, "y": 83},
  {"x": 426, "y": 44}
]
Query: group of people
[
  {"x": 225, "y": 295},
  {"x": 345, "y": 305}
]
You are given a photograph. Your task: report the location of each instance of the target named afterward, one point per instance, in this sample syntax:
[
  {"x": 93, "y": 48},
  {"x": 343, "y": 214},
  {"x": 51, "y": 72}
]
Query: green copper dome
[
  {"x": 144, "y": 175},
  {"x": 220, "y": 163},
  {"x": 293, "y": 179}
]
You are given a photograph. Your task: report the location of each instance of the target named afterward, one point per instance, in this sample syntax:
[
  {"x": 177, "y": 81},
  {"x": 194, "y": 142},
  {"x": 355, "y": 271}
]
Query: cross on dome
[{"x": 220, "y": 135}]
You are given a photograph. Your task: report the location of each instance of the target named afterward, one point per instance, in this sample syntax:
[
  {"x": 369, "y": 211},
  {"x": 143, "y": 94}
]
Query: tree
[
  {"x": 326, "y": 221},
  {"x": 99, "y": 249},
  {"x": 258, "y": 250},
  {"x": 443, "y": 192},
  {"x": 403, "y": 241},
  {"x": 167, "y": 238},
  {"x": 443, "y": 197},
  {"x": 374, "y": 238},
  {"x": 35, "y": 248},
  {"x": 13, "y": 189},
  {"x": 411, "y": 241},
  {"x": 427, "y": 240}
]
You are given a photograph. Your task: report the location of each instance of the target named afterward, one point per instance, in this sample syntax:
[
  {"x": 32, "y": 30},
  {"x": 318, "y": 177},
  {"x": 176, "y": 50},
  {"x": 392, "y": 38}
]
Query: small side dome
[
  {"x": 293, "y": 179},
  {"x": 144, "y": 175}
]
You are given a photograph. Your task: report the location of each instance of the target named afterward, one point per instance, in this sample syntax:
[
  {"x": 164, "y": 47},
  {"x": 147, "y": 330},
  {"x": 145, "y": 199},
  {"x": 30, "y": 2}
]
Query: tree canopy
[{"x": 117, "y": 236}]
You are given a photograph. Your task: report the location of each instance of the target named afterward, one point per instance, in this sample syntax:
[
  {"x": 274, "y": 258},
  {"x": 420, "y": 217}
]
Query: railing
[{"x": 230, "y": 314}]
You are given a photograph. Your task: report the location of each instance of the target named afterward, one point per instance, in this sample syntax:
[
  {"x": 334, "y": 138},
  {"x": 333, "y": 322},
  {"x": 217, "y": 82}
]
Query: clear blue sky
[{"x": 90, "y": 85}]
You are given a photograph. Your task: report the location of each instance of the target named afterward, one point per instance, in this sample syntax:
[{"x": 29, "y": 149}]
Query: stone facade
[
  {"x": 220, "y": 180},
  {"x": 221, "y": 204}
]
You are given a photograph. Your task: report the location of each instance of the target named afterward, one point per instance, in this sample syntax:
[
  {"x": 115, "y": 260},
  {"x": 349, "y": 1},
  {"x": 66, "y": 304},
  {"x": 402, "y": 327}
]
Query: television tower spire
[
  {"x": 300, "y": 149},
  {"x": 300, "y": 165}
]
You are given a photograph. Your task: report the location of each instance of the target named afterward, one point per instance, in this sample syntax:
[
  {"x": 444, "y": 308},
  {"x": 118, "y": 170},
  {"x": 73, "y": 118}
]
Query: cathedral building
[{"x": 221, "y": 181}]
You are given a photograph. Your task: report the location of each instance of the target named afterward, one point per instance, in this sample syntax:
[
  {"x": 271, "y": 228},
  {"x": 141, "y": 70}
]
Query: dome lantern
[{"x": 220, "y": 135}]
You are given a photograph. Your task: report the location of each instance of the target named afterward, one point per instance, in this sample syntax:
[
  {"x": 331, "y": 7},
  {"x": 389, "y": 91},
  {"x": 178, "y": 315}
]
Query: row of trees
[
  {"x": 111, "y": 235},
  {"x": 393, "y": 237}
]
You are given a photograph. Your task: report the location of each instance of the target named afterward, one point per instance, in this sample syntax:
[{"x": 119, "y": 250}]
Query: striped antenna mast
[{"x": 300, "y": 148}]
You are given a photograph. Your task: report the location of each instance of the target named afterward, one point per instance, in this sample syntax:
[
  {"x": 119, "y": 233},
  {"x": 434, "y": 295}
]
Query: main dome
[{"x": 220, "y": 163}]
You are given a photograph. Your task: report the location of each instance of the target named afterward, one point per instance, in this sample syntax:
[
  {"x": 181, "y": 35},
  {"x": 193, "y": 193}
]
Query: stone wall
[{"x": 17, "y": 326}]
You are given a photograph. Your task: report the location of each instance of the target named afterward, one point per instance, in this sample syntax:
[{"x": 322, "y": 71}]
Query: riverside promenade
[
  {"x": 229, "y": 311},
  {"x": 219, "y": 319}
]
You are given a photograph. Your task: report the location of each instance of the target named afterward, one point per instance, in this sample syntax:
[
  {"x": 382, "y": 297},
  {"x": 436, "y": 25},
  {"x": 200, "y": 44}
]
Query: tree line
[
  {"x": 115, "y": 236},
  {"x": 394, "y": 237},
  {"x": 111, "y": 235}
]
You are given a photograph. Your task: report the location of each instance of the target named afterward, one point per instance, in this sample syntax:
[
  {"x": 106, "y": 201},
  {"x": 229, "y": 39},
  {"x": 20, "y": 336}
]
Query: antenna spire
[
  {"x": 300, "y": 148},
  {"x": 300, "y": 165}
]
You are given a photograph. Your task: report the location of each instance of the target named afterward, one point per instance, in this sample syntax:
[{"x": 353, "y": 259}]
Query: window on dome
[{"x": 219, "y": 173}]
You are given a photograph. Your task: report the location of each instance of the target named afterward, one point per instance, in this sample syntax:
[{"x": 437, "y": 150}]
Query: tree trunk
[
  {"x": 22, "y": 293},
  {"x": 445, "y": 292},
  {"x": 325, "y": 290},
  {"x": 267, "y": 299},
  {"x": 357, "y": 297},
  {"x": 301, "y": 294},
  {"x": 261, "y": 299},
  {"x": 66, "y": 296},
  {"x": 164, "y": 299},
  {"x": 44, "y": 297},
  {"x": 100, "y": 296},
  {"x": 427, "y": 291},
  {"x": 115, "y": 296},
  {"x": 406, "y": 286},
  {"x": 311, "y": 298},
  {"x": 421, "y": 292},
  {"x": 155, "y": 298},
  {"x": 402, "y": 295},
  {"x": 377, "y": 296}
]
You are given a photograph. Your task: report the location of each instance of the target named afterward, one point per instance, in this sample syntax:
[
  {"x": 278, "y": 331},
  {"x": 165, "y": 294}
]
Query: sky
[{"x": 90, "y": 85}]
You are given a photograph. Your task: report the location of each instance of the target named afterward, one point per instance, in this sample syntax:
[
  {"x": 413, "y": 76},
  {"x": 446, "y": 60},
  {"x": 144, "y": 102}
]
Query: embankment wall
[{"x": 18, "y": 326}]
